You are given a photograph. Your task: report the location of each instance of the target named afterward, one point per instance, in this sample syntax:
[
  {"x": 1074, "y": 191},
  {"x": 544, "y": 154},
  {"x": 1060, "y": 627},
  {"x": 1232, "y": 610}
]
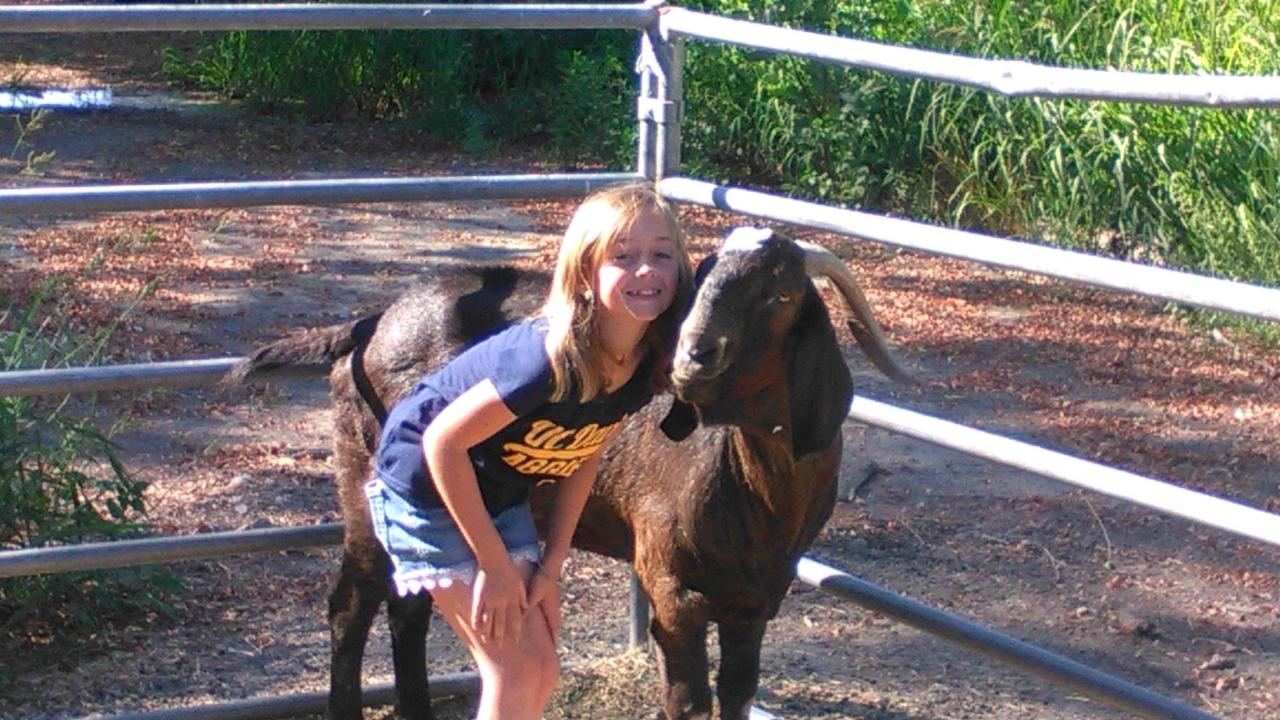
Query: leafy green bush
[
  {"x": 1194, "y": 187},
  {"x": 62, "y": 482},
  {"x": 591, "y": 113},
  {"x": 476, "y": 89}
]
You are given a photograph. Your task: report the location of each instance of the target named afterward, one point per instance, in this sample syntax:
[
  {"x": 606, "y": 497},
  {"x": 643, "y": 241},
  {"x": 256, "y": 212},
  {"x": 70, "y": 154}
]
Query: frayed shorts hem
[{"x": 426, "y": 547}]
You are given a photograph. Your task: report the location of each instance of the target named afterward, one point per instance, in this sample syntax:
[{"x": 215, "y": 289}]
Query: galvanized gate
[{"x": 663, "y": 32}]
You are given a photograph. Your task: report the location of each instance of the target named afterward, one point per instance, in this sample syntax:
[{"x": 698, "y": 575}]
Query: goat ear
[
  {"x": 680, "y": 422},
  {"x": 819, "y": 380},
  {"x": 704, "y": 268}
]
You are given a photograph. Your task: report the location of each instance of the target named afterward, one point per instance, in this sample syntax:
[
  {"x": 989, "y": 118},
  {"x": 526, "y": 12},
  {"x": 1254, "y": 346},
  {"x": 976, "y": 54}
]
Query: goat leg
[
  {"x": 410, "y": 619},
  {"x": 353, "y": 603},
  {"x": 682, "y": 658},
  {"x": 739, "y": 667}
]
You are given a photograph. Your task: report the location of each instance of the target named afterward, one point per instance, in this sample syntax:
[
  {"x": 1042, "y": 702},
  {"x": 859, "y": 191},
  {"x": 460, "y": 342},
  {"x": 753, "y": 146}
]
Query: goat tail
[{"x": 312, "y": 351}]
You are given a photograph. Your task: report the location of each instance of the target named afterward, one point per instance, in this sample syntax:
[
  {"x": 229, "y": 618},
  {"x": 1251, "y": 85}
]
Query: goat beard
[
  {"x": 764, "y": 415},
  {"x": 706, "y": 394}
]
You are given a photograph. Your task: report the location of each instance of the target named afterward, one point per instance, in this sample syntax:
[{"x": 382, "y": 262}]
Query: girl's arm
[
  {"x": 571, "y": 497},
  {"x": 498, "y": 598}
]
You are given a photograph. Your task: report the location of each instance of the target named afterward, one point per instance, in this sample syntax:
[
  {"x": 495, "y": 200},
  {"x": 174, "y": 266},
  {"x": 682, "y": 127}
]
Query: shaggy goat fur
[{"x": 712, "y": 495}]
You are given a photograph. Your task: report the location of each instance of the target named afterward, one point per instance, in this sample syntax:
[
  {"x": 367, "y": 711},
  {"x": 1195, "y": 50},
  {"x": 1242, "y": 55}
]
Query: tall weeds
[
  {"x": 62, "y": 482},
  {"x": 1194, "y": 187},
  {"x": 474, "y": 89}
]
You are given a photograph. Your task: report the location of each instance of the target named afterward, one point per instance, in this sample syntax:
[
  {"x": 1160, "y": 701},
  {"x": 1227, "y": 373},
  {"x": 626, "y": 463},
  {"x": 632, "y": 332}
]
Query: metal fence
[{"x": 659, "y": 113}]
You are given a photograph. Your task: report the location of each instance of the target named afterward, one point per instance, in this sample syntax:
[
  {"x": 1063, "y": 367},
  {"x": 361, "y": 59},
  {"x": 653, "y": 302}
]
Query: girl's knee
[
  {"x": 520, "y": 677},
  {"x": 526, "y": 669},
  {"x": 547, "y": 656},
  {"x": 550, "y": 675},
  {"x": 540, "y": 670},
  {"x": 544, "y": 668}
]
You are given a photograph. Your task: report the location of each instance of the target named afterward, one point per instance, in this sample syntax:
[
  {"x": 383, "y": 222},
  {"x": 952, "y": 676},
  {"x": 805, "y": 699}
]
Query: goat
[
  {"x": 716, "y": 521},
  {"x": 712, "y": 497},
  {"x": 372, "y": 363}
]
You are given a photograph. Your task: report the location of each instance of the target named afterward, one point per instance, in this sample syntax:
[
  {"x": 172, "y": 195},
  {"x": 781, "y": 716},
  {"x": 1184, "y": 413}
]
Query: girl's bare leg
[{"x": 519, "y": 674}]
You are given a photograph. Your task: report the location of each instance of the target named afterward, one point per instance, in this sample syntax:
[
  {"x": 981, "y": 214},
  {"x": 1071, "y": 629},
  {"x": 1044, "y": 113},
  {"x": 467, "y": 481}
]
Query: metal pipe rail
[
  {"x": 97, "y": 556},
  {"x": 138, "y": 376},
  {"x": 1177, "y": 286},
  {"x": 1188, "y": 504},
  {"x": 104, "y": 198},
  {"x": 314, "y": 703},
  {"x": 153, "y": 550},
  {"x": 299, "y": 704},
  {"x": 1171, "y": 499},
  {"x": 1016, "y": 78},
  {"x": 1165, "y": 497},
  {"x": 171, "y": 549},
  {"x": 300, "y": 16},
  {"x": 1010, "y": 651}
]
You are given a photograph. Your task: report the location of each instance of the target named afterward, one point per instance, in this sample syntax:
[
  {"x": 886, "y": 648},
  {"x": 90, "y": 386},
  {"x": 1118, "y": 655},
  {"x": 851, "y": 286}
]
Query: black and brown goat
[
  {"x": 713, "y": 510},
  {"x": 372, "y": 362}
]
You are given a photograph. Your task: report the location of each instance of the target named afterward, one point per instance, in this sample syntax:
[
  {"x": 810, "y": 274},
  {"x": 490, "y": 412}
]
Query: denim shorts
[{"x": 428, "y": 551}]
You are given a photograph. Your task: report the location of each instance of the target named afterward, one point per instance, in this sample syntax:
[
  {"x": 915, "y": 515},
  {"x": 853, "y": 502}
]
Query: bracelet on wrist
[{"x": 542, "y": 570}]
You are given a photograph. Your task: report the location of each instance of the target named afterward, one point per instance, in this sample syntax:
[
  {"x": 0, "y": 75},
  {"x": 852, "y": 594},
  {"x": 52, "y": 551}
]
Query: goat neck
[
  {"x": 766, "y": 465},
  {"x": 797, "y": 493}
]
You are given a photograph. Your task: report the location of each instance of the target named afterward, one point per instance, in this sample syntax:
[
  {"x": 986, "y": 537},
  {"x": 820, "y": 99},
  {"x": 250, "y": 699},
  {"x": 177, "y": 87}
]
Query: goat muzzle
[{"x": 704, "y": 358}]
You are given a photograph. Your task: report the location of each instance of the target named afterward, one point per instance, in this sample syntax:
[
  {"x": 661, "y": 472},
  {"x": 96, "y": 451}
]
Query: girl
[{"x": 536, "y": 402}]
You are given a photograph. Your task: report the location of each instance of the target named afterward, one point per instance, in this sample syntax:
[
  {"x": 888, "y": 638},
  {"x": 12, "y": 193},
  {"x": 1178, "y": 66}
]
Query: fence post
[
  {"x": 675, "y": 102},
  {"x": 638, "y": 632},
  {"x": 668, "y": 54},
  {"x": 645, "y": 162},
  {"x": 659, "y": 108}
]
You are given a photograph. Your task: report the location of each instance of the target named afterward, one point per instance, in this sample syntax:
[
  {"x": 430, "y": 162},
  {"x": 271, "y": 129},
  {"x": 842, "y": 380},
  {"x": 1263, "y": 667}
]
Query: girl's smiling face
[{"x": 637, "y": 277}]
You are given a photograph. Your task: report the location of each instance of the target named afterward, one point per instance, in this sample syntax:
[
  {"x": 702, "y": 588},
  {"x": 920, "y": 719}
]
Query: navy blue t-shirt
[{"x": 547, "y": 441}]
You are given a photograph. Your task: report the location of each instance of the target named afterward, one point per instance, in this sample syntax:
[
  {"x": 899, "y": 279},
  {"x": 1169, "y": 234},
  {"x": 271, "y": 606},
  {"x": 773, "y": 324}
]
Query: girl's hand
[
  {"x": 498, "y": 603},
  {"x": 544, "y": 597}
]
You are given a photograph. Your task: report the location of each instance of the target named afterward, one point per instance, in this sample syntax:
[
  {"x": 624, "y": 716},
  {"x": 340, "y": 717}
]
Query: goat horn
[{"x": 821, "y": 261}]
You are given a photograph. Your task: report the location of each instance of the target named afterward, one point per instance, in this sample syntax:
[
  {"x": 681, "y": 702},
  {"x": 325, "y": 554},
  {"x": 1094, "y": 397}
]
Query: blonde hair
[{"x": 577, "y": 358}]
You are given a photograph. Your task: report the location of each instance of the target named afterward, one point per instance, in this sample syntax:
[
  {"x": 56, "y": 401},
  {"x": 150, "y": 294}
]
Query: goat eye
[{"x": 784, "y": 298}]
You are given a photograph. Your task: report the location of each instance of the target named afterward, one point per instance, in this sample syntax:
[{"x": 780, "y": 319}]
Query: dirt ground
[{"x": 1190, "y": 612}]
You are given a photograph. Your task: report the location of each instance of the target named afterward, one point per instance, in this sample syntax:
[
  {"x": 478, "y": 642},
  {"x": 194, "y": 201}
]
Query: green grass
[{"x": 1193, "y": 187}]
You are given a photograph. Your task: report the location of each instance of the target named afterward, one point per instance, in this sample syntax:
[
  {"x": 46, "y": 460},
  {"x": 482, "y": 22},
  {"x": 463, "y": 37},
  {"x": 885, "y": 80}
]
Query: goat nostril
[
  {"x": 701, "y": 356},
  {"x": 704, "y": 358}
]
